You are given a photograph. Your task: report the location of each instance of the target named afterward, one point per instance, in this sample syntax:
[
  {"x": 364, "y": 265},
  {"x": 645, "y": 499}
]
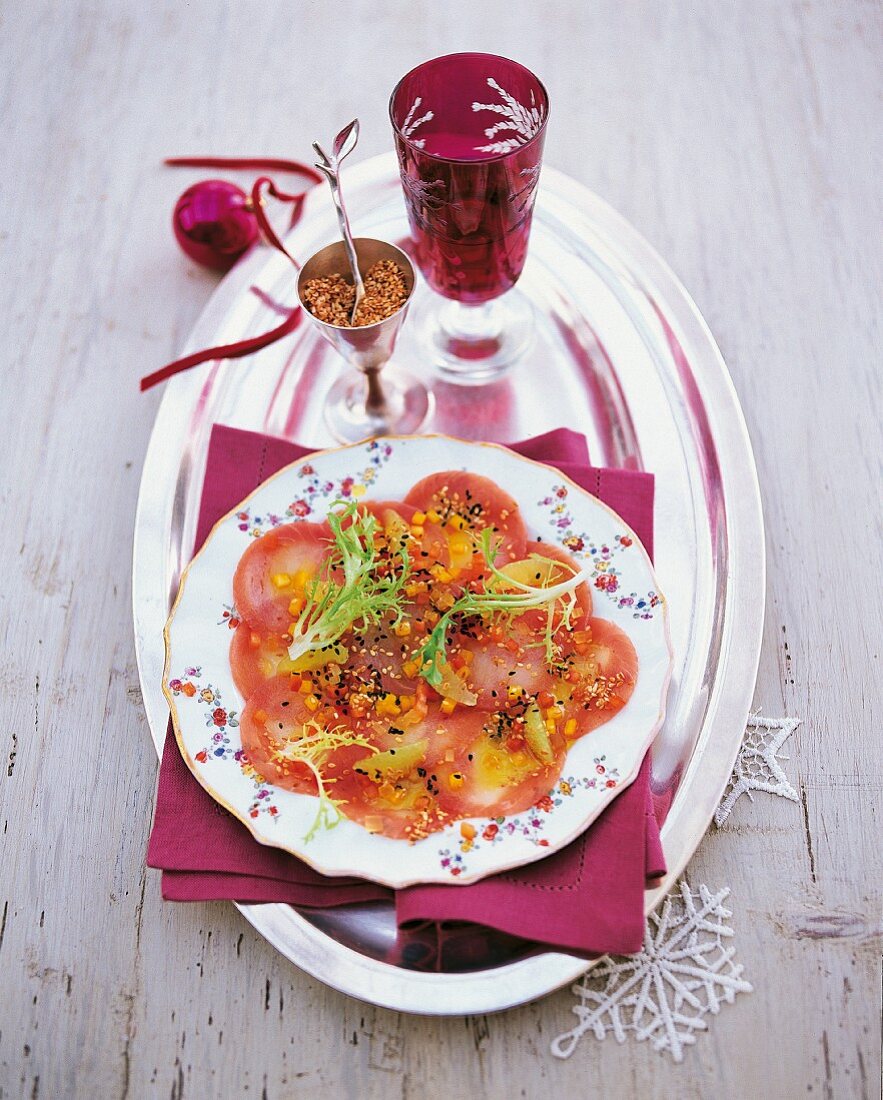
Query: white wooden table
[{"x": 744, "y": 141}]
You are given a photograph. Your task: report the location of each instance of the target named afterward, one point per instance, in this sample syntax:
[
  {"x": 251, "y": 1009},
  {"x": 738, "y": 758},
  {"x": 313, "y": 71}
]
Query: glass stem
[
  {"x": 471, "y": 322},
  {"x": 375, "y": 403}
]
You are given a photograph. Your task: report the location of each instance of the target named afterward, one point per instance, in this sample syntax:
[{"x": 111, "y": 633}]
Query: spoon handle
[{"x": 329, "y": 166}]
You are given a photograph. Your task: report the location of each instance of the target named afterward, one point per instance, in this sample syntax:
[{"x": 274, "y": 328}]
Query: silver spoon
[{"x": 344, "y": 144}]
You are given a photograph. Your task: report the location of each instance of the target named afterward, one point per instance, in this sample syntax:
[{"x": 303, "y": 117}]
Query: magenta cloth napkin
[{"x": 586, "y": 898}]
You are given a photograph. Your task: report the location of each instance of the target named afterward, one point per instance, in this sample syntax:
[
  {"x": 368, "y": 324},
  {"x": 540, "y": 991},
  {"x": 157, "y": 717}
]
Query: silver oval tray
[{"x": 621, "y": 354}]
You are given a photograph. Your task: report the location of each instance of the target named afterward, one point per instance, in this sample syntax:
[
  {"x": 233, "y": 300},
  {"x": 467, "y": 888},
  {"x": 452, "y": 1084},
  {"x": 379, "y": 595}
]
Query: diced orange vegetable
[
  {"x": 387, "y": 705},
  {"x": 467, "y": 830}
]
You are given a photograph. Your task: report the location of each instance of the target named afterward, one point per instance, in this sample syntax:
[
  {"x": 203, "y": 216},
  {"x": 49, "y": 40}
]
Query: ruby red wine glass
[{"x": 469, "y": 131}]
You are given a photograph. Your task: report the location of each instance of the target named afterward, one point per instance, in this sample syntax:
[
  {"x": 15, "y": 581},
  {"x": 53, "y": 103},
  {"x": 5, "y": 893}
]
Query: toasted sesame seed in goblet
[{"x": 359, "y": 405}]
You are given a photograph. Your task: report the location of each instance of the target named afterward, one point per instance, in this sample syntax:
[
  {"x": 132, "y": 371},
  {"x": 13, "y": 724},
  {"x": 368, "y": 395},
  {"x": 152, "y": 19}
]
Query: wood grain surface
[{"x": 743, "y": 140}]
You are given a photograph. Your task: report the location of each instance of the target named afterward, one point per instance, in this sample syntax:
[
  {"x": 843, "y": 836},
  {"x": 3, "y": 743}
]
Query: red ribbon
[
  {"x": 246, "y": 347},
  {"x": 273, "y": 163},
  {"x": 225, "y": 351}
]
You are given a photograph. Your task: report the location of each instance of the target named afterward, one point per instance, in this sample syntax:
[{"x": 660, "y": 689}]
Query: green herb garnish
[
  {"x": 366, "y": 593},
  {"x": 313, "y": 750},
  {"x": 495, "y": 599}
]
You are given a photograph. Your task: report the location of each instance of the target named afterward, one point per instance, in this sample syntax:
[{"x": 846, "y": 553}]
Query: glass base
[
  {"x": 476, "y": 344},
  {"x": 359, "y": 407}
]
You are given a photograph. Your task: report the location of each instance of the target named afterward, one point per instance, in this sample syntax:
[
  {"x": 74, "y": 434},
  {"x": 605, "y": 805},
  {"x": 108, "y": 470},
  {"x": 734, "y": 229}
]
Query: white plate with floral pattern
[{"x": 205, "y": 704}]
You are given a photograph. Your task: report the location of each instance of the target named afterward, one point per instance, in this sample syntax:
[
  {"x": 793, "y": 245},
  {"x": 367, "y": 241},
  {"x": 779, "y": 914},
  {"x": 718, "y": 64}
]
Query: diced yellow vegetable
[
  {"x": 455, "y": 781},
  {"x": 419, "y": 518},
  {"x": 402, "y": 629},
  {"x": 410, "y": 669},
  {"x": 387, "y": 705},
  {"x": 432, "y": 516},
  {"x": 296, "y": 606},
  {"x": 281, "y": 580},
  {"x": 448, "y": 706},
  {"x": 312, "y": 702},
  {"x": 570, "y": 727},
  {"x": 460, "y": 550},
  {"x": 457, "y": 522}
]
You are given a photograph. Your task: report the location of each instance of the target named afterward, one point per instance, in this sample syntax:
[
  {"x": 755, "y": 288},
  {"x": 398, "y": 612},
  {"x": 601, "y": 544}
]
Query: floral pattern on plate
[
  {"x": 606, "y": 576},
  {"x": 314, "y": 490},
  {"x": 529, "y": 825},
  {"x": 206, "y": 705}
]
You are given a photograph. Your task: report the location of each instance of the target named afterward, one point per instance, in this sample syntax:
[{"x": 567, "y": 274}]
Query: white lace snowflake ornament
[
  {"x": 757, "y": 766},
  {"x": 664, "y": 993}
]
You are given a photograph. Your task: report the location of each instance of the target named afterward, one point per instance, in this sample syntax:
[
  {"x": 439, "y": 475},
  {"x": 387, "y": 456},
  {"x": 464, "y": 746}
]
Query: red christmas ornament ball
[{"x": 214, "y": 223}]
